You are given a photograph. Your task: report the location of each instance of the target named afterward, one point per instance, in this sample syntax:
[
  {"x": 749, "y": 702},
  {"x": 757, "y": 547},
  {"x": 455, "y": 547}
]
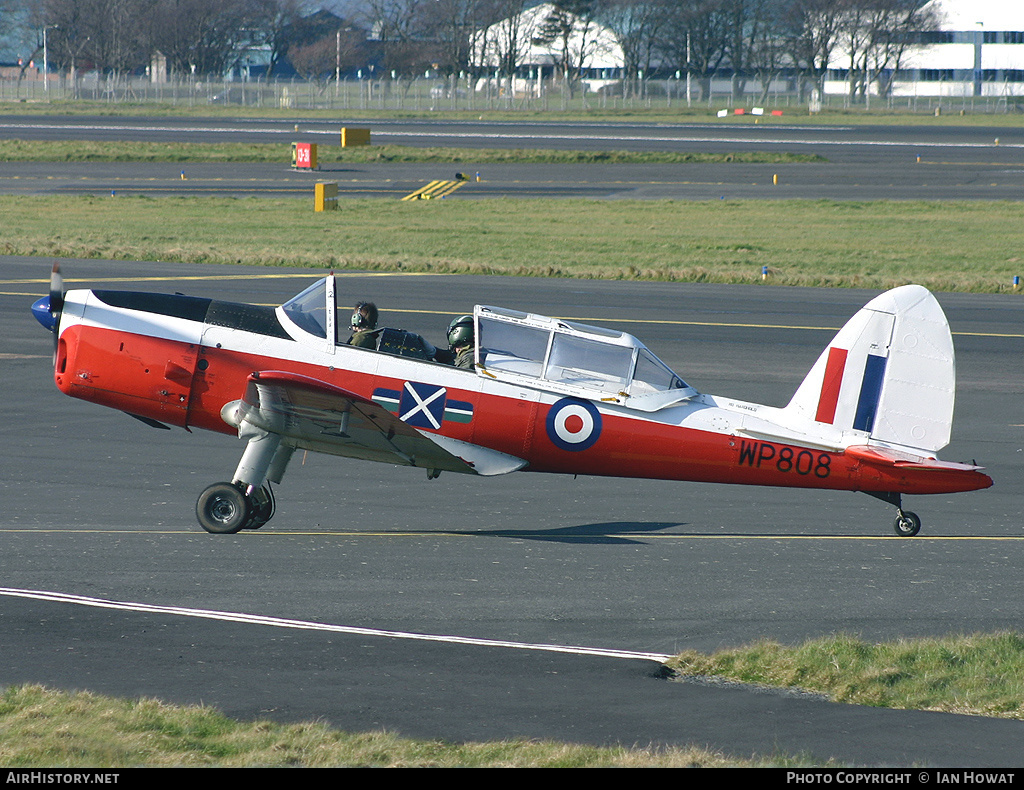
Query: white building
[
  {"x": 978, "y": 51},
  {"x": 592, "y": 50}
]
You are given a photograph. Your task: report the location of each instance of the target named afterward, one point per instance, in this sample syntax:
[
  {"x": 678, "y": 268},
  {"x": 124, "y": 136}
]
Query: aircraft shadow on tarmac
[
  {"x": 601, "y": 532},
  {"x": 631, "y": 532}
]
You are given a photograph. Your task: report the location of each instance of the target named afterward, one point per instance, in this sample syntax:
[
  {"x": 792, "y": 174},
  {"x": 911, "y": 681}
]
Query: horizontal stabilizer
[{"x": 886, "y": 456}]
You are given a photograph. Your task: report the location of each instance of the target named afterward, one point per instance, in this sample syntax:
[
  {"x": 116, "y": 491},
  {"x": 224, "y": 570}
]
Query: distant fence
[{"x": 437, "y": 94}]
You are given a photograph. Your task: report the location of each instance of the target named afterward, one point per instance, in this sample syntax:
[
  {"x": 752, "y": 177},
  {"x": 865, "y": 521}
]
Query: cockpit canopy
[
  {"x": 574, "y": 359},
  {"x": 528, "y": 350}
]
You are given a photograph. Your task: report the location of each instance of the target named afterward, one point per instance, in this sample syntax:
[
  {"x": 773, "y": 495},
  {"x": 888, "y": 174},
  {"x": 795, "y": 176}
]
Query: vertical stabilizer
[{"x": 889, "y": 375}]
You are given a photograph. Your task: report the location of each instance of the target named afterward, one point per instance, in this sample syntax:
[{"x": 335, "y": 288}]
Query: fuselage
[{"x": 178, "y": 360}]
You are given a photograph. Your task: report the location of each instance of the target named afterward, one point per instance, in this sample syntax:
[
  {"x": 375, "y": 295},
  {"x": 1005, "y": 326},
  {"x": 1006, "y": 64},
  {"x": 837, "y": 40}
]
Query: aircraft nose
[{"x": 41, "y": 310}]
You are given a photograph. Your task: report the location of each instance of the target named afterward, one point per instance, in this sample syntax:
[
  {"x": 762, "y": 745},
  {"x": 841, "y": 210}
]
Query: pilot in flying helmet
[{"x": 364, "y": 322}]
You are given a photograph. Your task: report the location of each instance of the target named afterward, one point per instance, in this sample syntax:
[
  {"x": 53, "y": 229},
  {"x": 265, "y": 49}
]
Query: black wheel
[
  {"x": 262, "y": 507},
  {"x": 222, "y": 509},
  {"x": 907, "y": 524}
]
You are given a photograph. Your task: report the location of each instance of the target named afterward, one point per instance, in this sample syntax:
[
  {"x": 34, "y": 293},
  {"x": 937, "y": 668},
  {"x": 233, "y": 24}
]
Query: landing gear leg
[{"x": 247, "y": 502}]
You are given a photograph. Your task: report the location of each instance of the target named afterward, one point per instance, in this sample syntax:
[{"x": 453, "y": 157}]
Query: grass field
[
  {"x": 41, "y": 728},
  {"x": 656, "y": 113},
  {"x": 974, "y": 675},
  {"x": 980, "y": 675},
  {"x": 946, "y": 246},
  {"x": 133, "y": 151}
]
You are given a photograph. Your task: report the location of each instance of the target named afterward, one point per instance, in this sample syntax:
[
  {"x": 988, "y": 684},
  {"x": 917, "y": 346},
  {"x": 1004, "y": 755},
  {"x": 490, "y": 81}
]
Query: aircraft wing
[{"x": 314, "y": 415}]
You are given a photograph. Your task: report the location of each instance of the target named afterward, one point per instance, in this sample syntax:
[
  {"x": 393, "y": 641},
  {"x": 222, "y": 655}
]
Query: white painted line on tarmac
[{"x": 276, "y": 622}]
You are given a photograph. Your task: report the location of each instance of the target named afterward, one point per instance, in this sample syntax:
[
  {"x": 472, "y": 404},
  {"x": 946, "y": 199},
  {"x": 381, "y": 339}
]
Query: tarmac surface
[
  {"x": 527, "y": 606},
  {"x": 862, "y": 163}
]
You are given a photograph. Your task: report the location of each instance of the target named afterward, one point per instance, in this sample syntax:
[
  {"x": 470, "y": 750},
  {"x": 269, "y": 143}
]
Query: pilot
[
  {"x": 462, "y": 341},
  {"x": 364, "y": 322}
]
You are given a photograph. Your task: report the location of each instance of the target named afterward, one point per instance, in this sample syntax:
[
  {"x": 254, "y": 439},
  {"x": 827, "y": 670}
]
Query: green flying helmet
[{"x": 460, "y": 331}]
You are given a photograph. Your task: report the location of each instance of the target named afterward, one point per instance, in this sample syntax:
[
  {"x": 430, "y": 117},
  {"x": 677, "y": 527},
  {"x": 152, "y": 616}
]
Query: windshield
[
  {"x": 653, "y": 375},
  {"x": 308, "y": 310}
]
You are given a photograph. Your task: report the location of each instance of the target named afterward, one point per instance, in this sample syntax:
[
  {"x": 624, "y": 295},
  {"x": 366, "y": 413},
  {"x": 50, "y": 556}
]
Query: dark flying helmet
[
  {"x": 365, "y": 316},
  {"x": 460, "y": 331}
]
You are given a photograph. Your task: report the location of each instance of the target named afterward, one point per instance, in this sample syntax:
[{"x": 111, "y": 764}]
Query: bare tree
[
  {"x": 767, "y": 50},
  {"x": 395, "y": 28},
  {"x": 812, "y": 29},
  {"x": 332, "y": 55},
  {"x": 569, "y": 32},
  {"x": 457, "y": 28},
  {"x": 694, "y": 38},
  {"x": 116, "y": 35},
  {"x": 506, "y": 43},
  {"x": 107, "y": 35},
  {"x": 638, "y": 25},
  {"x": 202, "y": 37},
  {"x": 23, "y": 22},
  {"x": 274, "y": 25},
  {"x": 895, "y": 27}
]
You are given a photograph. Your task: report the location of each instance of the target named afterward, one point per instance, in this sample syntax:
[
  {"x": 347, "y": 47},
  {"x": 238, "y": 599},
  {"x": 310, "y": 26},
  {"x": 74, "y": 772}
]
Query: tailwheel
[
  {"x": 907, "y": 524},
  {"x": 223, "y": 509}
]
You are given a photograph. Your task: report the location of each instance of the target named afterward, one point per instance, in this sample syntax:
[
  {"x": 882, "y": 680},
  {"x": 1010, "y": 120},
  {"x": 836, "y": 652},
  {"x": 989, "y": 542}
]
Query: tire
[
  {"x": 222, "y": 509},
  {"x": 907, "y": 524},
  {"x": 261, "y": 508}
]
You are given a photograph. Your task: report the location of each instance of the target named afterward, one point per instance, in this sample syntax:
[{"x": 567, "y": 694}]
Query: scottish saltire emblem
[{"x": 423, "y": 405}]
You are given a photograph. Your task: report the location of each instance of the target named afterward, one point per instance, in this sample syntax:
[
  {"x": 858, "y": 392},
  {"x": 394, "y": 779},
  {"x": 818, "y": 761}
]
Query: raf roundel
[{"x": 573, "y": 424}]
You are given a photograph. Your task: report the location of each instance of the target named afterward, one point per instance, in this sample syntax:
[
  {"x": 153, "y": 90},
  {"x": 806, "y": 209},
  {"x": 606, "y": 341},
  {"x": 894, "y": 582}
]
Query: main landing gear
[{"x": 247, "y": 502}]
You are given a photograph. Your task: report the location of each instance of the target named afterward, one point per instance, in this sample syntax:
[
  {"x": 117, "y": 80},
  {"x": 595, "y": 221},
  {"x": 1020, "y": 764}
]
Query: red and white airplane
[{"x": 546, "y": 395}]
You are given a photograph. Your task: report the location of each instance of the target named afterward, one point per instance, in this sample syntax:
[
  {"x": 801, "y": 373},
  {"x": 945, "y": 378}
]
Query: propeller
[{"x": 48, "y": 309}]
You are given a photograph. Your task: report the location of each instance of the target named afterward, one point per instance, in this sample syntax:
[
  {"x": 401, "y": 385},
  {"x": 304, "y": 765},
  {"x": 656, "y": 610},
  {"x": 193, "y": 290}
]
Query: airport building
[
  {"x": 590, "y": 52},
  {"x": 977, "y": 51}
]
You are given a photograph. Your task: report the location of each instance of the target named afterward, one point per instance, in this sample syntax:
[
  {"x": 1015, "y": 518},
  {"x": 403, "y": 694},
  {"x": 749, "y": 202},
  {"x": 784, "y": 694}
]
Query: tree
[
  {"x": 893, "y": 26},
  {"x": 395, "y": 29},
  {"x": 811, "y": 29},
  {"x": 109, "y": 35},
  {"x": 340, "y": 53},
  {"x": 638, "y": 24},
  {"x": 767, "y": 51},
  {"x": 203, "y": 37},
  {"x": 504, "y": 44},
  {"x": 694, "y": 38},
  {"x": 569, "y": 32},
  {"x": 456, "y": 28},
  {"x": 275, "y": 24}
]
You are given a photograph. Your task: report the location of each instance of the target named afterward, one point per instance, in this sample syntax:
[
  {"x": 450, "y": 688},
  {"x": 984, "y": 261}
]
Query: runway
[
  {"x": 863, "y": 163},
  {"x": 379, "y": 599}
]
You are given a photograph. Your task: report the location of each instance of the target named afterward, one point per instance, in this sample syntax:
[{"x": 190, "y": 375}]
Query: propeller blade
[
  {"x": 56, "y": 290},
  {"x": 56, "y": 305}
]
